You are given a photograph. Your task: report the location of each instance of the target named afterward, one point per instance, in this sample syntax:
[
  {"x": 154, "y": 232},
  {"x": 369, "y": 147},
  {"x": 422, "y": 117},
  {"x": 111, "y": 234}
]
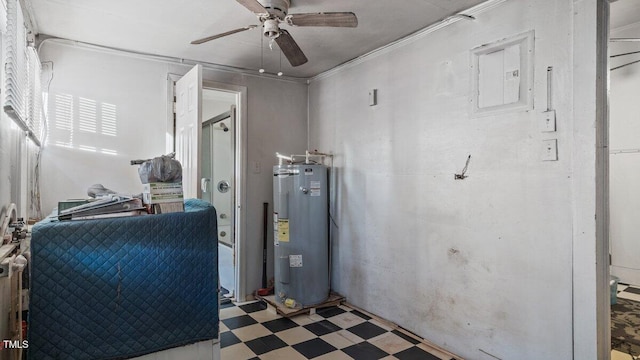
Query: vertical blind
[{"x": 23, "y": 93}]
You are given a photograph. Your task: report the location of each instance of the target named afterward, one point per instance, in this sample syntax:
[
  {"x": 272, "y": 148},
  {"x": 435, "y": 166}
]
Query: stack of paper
[{"x": 104, "y": 207}]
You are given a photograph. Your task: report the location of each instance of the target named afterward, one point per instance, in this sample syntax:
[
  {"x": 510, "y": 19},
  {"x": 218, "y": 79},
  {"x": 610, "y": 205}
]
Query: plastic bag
[
  {"x": 160, "y": 169},
  {"x": 98, "y": 190}
]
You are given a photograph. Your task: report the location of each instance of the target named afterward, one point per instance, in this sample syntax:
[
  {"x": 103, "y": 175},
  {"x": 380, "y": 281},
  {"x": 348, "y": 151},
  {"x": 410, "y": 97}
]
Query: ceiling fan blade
[
  {"x": 209, "y": 38},
  {"x": 253, "y": 6},
  {"x": 334, "y": 19},
  {"x": 290, "y": 49}
]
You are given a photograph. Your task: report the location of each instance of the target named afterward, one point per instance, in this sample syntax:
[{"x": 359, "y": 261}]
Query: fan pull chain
[{"x": 261, "y": 54}]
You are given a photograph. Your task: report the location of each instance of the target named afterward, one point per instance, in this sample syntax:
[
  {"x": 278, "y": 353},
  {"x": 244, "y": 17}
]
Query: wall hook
[{"x": 462, "y": 175}]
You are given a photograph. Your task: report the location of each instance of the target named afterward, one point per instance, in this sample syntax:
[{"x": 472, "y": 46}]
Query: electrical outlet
[
  {"x": 550, "y": 150},
  {"x": 547, "y": 121}
]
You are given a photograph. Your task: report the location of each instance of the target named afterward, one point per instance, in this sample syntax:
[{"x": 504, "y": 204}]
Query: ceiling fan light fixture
[{"x": 271, "y": 29}]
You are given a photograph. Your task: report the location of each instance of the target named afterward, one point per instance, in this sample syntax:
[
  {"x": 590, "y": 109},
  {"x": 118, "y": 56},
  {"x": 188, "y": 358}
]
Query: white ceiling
[
  {"x": 624, "y": 22},
  {"x": 623, "y": 13},
  {"x": 166, "y": 28}
]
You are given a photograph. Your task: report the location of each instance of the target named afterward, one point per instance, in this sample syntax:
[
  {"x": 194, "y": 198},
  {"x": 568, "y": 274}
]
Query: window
[{"x": 23, "y": 93}]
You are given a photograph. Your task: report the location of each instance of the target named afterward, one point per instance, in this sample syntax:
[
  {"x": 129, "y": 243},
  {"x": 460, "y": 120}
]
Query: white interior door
[{"x": 189, "y": 130}]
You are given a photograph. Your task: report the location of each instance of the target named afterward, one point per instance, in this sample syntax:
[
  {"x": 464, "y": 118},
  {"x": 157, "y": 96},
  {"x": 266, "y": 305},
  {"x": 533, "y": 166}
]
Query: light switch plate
[
  {"x": 256, "y": 168},
  {"x": 547, "y": 121},
  {"x": 373, "y": 97},
  {"x": 550, "y": 150}
]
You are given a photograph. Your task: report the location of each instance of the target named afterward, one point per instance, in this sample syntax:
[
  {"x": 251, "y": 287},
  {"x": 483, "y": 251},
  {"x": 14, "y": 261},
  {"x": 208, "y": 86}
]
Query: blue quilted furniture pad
[{"x": 118, "y": 288}]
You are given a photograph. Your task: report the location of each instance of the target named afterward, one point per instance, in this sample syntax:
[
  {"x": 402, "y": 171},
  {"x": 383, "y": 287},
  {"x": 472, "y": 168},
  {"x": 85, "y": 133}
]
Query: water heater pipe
[
  {"x": 284, "y": 157},
  {"x": 307, "y": 155},
  {"x": 316, "y": 153}
]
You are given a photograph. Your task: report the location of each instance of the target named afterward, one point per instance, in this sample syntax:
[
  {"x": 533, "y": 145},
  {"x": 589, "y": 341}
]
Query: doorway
[
  {"x": 624, "y": 178},
  {"x": 177, "y": 97},
  {"x": 218, "y": 176}
]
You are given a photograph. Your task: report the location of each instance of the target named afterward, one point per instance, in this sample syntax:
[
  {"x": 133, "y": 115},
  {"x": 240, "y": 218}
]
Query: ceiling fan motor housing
[{"x": 277, "y": 8}]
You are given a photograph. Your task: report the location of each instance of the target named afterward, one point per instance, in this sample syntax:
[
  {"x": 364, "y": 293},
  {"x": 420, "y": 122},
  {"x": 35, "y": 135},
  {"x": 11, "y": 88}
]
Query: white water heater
[{"x": 301, "y": 235}]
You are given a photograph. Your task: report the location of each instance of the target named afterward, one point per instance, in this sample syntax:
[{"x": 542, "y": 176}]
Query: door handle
[
  {"x": 223, "y": 186},
  {"x": 204, "y": 184}
]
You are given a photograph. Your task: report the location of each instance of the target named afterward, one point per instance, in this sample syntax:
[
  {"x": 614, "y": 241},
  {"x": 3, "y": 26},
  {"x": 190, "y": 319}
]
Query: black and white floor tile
[
  {"x": 251, "y": 331},
  {"x": 629, "y": 292}
]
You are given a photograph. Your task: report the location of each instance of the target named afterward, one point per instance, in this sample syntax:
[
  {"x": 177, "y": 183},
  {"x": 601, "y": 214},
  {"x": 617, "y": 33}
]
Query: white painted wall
[
  {"x": 17, "y": 168},
  {"x": 481, "y": 267},
  {"x": 137, "y": 88},
  {"x": 103, "y": 112},
  {"x": 215, "y": 103},
  {"x": 13, "y": 161},
  {"x": 625, "y": 161}
]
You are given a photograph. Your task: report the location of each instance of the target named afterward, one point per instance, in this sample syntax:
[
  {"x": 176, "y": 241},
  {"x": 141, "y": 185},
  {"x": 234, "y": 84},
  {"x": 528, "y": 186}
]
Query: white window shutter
[
  {"x": 34, "y": 97},
  {"x": 23, "y": 92},
  {"x": 16, "y": 66}
]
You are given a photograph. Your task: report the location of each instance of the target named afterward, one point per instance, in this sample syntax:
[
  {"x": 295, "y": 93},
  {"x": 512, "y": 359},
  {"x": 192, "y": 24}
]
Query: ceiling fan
[{"x": 272, "y": 13}]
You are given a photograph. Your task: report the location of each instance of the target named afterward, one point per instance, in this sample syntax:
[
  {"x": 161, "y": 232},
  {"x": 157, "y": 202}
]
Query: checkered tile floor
[
  {"x": 628, "y": 292},
  {"x": 251, "y": 331}
]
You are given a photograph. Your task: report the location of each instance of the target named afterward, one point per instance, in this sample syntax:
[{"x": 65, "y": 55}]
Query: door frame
[
  {"x": 240, "y": 167},
  {"x": 589, "y": 156}
]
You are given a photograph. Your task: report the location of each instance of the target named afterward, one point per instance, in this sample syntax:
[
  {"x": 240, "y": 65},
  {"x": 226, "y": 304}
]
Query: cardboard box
[
  {"x": 166, "y": 208},
  {"x": 149, "y": 198},
  {"x": 162, "y": 188}
]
